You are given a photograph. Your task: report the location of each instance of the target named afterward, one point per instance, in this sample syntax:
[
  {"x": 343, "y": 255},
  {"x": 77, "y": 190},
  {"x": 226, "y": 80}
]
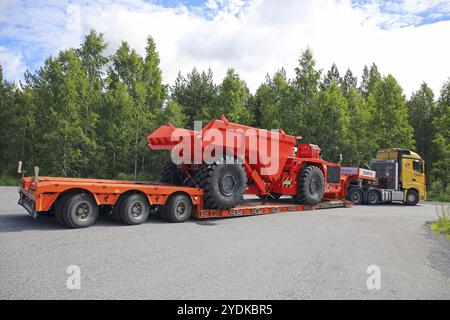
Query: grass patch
[
  {"x": 8, "y": 181},
  {"x": 442, "y": 226},
  {"x": 438, "y": 197}
]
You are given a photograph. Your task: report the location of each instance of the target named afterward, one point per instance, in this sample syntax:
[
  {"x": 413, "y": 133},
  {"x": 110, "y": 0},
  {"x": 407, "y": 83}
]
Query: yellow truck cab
[{"x": 403, "y": 171}]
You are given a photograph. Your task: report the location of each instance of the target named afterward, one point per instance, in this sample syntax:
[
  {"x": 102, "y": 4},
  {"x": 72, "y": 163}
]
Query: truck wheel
[
  {"x": 356, "y": 196},
  {"x": 134, "y": 209},
  {"x": 178, "y": 208},
  {"x": 171, "y": 174},
  {"x": 373, "y": 197},
  {"x": 79, "y": 210},
  {"x": 310, "y": 186},
  {"x": 412, "y": 197},
  {"x": 223, "y": 185}
]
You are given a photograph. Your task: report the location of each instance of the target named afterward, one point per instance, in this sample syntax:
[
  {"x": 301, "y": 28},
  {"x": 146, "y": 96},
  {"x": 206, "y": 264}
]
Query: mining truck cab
[{"x": 401, "y": 170}]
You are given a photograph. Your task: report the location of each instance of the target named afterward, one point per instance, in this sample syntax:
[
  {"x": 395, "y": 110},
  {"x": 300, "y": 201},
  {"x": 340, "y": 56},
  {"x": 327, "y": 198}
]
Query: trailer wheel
[
  {"x": 171, "y": 174},
  {"x": 59, "y": 211},
  {"x": 373, "y": 197},
  {"x": 134, "y": 209},
  {"x": 223, "y": 185},
  {"x": 356, "y": 196},
  {"x": 310, "y": 186},
  {"x": 412, "y": 197},
  {"x": 178, "y": 208},
  {"x": 116, "y": 210},
  {"x": 79, "y": 210}
]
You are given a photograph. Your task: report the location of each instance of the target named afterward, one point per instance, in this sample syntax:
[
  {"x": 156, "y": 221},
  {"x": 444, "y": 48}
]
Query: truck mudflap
[{"x": 27, "y": 204}]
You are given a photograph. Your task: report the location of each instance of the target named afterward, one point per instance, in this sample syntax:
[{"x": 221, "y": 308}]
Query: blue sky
[{"x": 255, "y": 36}]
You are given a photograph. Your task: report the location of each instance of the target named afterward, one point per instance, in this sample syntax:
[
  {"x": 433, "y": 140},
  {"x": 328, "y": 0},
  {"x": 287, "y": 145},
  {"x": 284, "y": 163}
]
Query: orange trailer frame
[{"x": 41, "y": 195}]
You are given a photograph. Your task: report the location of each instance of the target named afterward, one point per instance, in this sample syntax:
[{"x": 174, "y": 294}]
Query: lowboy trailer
[{"x": 77, "y": 203}]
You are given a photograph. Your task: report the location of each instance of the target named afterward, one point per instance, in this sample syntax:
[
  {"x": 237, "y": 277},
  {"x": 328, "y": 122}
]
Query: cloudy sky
[{"x": 407, "y": 38}]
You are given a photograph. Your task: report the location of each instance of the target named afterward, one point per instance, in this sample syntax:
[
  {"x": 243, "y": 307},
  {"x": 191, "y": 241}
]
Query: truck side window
[{"x": 417, "y": 166}]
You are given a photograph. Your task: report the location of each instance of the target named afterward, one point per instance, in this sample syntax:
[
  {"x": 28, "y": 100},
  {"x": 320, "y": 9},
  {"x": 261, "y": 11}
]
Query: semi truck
[
  {"x": 394, "y": 175},
  {"x": 218, "y": 187}
]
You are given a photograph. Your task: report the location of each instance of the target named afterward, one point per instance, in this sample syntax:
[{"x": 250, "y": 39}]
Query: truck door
[{"x": 413, "y": 175}]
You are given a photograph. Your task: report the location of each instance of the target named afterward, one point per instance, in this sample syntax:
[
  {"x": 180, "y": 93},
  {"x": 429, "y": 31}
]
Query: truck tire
[
  {"x": 223, "y": 185},
  {"x": 170, "y": 174},
  {"x": 356, "y": 195},
  {"x": 79, "y": 210},
  {"x": 134, "y": 209},
  {"x": 178, "y": 208},
  {"x": 373, "y": 197},
  {"x": 310, "y": 186},
  {"x": 412, "y": 197}
]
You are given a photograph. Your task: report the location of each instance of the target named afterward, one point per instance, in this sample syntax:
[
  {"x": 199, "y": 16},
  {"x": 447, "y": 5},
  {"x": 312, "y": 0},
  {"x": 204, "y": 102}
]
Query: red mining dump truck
[
  {"x": 209, "y": 186},
  {"x": 235, "y": 164}
]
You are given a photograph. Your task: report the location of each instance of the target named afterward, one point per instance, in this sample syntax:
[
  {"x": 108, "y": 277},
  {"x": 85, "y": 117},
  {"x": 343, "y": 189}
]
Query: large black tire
[
  {"x": 223, "y": 185},
  {"x": 356, "y": 195},
  {"x": 116, "y": 210},
  {"x": 373, "y": 197},
  {"x": 171, "y": 174},
  {"x": 79, "y": 210},
  {"x": 310, "y": 186},
  {"x": 134, "y": 209},
  {"x": 59, "y": 215},
  {"x": 178, "y": 208},
  {"x": 412, "y": 197}
]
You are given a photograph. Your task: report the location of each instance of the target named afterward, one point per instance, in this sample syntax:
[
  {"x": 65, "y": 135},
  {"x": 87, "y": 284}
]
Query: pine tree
[
  {"x": 332, "y": 75},
  {"x": 369, "y": 80},
  {"x": 272, "y": 101},
  {"x": 299, "y": 119},
  {"x": 422, "y": 110},
  {"x": 349, "y": 82},
  {"x": 197, "y": 94},
  {"x": 441, "y": 168},
  {"x": 232, "y": 99},
  {"x": 389, "y": 123},
  {"x": 59, "y": 92}
]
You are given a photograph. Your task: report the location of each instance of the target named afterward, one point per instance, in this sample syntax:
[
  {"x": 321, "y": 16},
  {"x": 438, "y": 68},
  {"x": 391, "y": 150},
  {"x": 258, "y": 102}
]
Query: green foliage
[
  {"x": 87, "y": 114},
  {"x": 232, "y": 99},
  {"x": 197, "y": 93},
  {"x": 441, "y": 123},
  {"x": 442, "y": 225},
  {"x": 422, "y": 110},
  {"x": 390, "y": 115}
]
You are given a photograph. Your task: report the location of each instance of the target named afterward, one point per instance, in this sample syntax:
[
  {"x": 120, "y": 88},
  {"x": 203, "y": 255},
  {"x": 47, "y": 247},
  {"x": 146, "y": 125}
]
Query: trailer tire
[
  {"x": 373, "y": 197},
  {"x": 356, "y": 195},
  {"x": 116, "y": 210},
  {"x": 310, "y": 186},
  {"x": 412, "y": 197},
  {"x": 223, "y": 184},
  {"x": 178, "y": 208},
  {"x": 171, "y": 174},
  {"x": 134, "y": 209},
  {"x": 80, "y": 210},
  {"x": 59, "y": 211}
]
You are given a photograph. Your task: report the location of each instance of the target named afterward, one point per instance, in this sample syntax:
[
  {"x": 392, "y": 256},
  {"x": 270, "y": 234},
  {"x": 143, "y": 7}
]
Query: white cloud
[
  {"x": 12, "y": 64},
  {"x": 254, "y": 37}
]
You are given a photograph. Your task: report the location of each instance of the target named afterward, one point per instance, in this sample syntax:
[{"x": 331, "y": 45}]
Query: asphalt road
[{"x": 305, "y": 255}]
